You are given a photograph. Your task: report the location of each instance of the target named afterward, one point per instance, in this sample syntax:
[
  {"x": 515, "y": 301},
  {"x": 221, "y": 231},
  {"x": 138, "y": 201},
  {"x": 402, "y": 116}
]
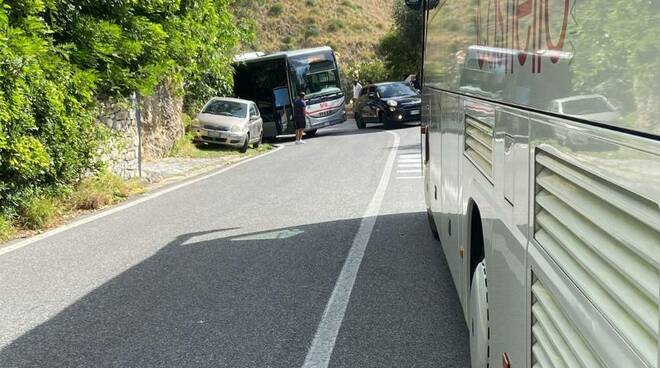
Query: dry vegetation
[{"x": 352, "y": 27}]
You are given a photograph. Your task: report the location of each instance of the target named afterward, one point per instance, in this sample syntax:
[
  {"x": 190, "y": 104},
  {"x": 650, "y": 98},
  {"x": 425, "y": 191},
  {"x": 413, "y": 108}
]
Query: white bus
[
  {"x": 541, "y": 141},
  {"x": 273, "y": 81}
]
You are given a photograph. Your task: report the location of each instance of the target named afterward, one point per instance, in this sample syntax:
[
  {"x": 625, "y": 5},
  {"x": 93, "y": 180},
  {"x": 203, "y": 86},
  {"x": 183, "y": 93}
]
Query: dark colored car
[{"x": 387, "y": 103}]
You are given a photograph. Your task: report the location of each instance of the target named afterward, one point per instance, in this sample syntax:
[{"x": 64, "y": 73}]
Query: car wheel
[
  {"x": 359, "y": 122},
  {"x": 479, "y": 323},
  {"x": 244, "y": 148},
  {"x": 258, "y": 143},
  {"x": 387, "y": 124},
  {"x": 311, "y": 133}
]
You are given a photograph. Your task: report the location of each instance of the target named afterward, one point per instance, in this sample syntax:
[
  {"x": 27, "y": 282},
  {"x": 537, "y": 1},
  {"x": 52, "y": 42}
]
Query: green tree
[
  {"x": 401, "y": 48},
  {"x": 619, "y": 56}
]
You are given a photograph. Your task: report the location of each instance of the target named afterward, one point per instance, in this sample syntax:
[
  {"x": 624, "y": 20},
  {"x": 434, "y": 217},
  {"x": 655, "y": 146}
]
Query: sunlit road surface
[{"x": 317, "y": 255}]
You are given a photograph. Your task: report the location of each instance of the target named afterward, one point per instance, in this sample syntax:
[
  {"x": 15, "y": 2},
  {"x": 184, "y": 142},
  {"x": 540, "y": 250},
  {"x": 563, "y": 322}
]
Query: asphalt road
[{"x": 269, "y": 264}]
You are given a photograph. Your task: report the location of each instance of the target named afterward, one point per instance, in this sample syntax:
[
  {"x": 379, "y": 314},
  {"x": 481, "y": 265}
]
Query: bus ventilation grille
[
  {"x": 479, "y": 144},
  {"x": 607, "y": 240},
  {"x": 555, "y": 342}
]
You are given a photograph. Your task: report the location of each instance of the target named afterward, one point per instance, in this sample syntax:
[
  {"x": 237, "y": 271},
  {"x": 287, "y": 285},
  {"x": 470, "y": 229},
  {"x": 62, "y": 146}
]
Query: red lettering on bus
[{"x": 537, "y": 36}]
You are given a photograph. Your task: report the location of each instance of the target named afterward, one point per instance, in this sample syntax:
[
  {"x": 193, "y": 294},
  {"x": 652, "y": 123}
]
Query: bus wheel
[
  {"x": 245, "y": 145},
  {"x": 432, "y": 225},
  {"x": 479, "y": 323},
  {"x": 311, "y": 133}
]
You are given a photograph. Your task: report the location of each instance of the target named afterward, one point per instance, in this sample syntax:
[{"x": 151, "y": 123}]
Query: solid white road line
[
  {"x": 409, "y": 165},
  {"x": 408, "y": 161},
  {"x": 139, "y": 200},
  {"x": 409, "y": 177},
  {"x": 416, "y": 171},
  {"x": 320, "y": 351},
  {"x": 411, "y": 155}
]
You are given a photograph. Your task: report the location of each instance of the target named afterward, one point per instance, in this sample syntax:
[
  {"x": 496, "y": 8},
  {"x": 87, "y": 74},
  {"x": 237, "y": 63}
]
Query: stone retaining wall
[
  {"x": 162, "y": 126},
  {"x": 120, "y": 154},
  {"x": 162, "y": 121}
]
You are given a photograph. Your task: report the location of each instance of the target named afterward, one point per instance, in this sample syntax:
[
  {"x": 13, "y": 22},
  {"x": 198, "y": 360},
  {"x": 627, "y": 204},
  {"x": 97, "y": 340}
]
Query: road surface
[{"x": 316, "y": 255}]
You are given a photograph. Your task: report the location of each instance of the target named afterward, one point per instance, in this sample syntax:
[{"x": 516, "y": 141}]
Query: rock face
[
  {"x": 162, "y": 124},
  {"x": 120, "y": 153}
]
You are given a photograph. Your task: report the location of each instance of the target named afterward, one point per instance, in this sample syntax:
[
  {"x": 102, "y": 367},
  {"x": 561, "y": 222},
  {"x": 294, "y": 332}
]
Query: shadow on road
[
  {"x": 349, "y": 128},
  {"x": 210, "y": 300}
]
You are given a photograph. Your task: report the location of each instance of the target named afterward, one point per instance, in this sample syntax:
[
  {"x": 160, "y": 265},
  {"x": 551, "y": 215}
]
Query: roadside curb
[{"x": 158, "y": 190}]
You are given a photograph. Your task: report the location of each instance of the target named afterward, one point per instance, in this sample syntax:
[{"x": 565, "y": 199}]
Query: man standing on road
[
  {"x": 299, "y": 112},
  {"x": 415, "y": 82},
  {"x": 357, "y": 88}
]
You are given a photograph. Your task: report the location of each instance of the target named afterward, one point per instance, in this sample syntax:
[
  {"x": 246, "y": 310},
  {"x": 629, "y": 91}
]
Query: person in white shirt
[{"x": 357, "y": 87}]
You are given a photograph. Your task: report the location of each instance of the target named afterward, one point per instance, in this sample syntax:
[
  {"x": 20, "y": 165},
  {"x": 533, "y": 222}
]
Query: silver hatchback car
[{"x": 230, "y": 122}]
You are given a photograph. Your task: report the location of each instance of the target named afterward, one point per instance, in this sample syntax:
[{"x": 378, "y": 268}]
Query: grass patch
[
  {"x": 103, "y": 190},
  {"x": 37, "y": 212},
  {"x": 184, "y": 147},
  {"x": 312, "y": 31},
  {"x": 276, "y": 10},
  {"x": 335, "y": 25},
  {"x": 7, "y": 229}
]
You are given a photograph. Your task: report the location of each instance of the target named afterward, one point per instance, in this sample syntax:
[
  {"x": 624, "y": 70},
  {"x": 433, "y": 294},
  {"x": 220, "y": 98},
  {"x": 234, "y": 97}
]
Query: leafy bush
[
  {"x": 59, "y": 58},
  {"x": 47, "y": 130},
  {"x": 37, "y": 212},
  {"x": 310, "y": 2},
  {"x": 373, "y": 71}
]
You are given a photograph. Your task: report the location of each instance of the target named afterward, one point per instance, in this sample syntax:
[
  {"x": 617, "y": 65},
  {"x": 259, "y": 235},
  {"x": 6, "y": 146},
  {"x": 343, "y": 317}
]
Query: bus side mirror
[
  {"x": 418, "y": 4},
  {"x": 414, "y": 4}
]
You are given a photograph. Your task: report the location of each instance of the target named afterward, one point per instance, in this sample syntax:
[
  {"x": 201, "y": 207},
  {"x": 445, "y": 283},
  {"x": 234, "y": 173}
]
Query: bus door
[{"x": 283, "y": 110}]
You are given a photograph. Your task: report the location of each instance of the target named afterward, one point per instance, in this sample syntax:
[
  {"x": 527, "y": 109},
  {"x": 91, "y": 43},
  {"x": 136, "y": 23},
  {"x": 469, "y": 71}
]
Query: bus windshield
[{"x": 315, "y": 74}]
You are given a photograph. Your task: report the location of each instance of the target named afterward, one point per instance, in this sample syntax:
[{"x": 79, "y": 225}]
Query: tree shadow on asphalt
[{"x": 255, "y": 300}]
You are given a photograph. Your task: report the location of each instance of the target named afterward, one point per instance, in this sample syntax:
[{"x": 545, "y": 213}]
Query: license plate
[{"x": 414, "y": 112}]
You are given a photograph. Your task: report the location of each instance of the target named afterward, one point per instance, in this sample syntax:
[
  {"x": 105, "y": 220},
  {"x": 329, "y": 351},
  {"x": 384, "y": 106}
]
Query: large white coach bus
[
  {"x": 273, "y": 81},
  {"x": 542, "y": 175}
]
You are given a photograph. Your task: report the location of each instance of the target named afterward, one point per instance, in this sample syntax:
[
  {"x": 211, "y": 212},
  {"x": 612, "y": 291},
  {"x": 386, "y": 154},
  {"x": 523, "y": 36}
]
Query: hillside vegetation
[{"x": 352, "y": 27}]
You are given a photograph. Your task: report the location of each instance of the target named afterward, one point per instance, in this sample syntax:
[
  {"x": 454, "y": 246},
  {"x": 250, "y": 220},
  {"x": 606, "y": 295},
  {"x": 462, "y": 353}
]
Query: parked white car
[
  {"x": 230, "y": 122},
  {"x": 589, "y": 107}
]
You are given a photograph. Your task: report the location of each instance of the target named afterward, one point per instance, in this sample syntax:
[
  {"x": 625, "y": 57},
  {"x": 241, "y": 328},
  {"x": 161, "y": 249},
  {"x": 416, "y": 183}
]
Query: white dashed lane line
[{"x": 409, "y": 165}]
